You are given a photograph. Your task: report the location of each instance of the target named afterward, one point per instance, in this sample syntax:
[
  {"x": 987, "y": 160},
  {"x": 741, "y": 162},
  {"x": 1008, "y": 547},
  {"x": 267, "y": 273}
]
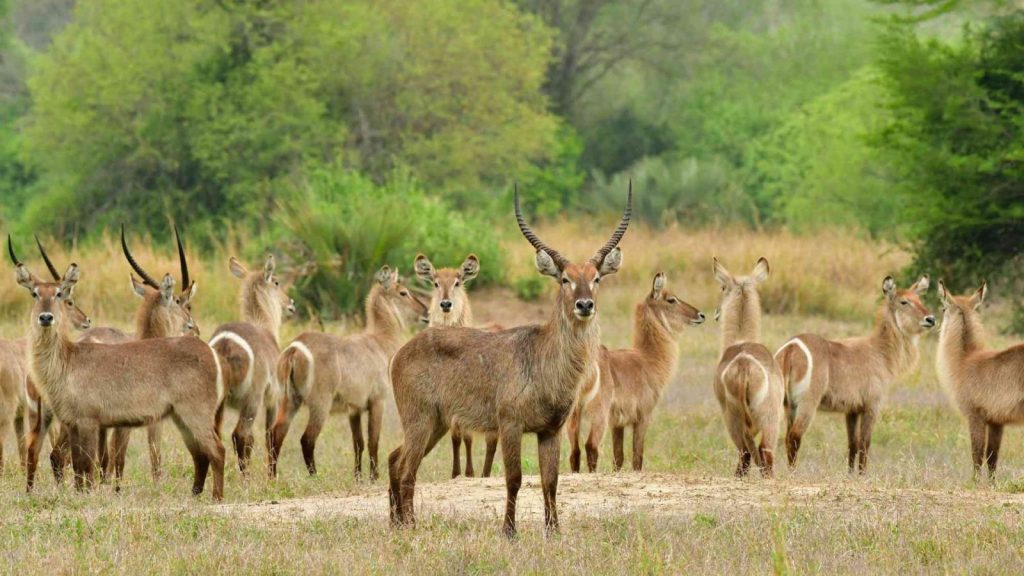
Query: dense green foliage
[{"x": 896, "y": 118}]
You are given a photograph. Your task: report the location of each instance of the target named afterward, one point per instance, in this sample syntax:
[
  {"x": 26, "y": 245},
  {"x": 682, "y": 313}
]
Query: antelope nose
[
  {"x": 585, "y": 306},
  {"x": 46, "y": 319},
  {"x": 929, "y": 321},
  {"x": 446, "y": 305},
  {"x": 87, "y": 323},
  {"x": 700, "y": 317}
]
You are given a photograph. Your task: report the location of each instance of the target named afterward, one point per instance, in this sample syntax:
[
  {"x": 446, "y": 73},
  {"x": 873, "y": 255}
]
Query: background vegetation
[{"x": 350, "y": 133}]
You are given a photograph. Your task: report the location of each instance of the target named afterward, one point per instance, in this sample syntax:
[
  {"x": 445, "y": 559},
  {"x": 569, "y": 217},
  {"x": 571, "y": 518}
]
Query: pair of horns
[
  {"x": 146, "y": 278},
  {"x": 562, "y": 261},
  {"x": 42, "y": 252}
]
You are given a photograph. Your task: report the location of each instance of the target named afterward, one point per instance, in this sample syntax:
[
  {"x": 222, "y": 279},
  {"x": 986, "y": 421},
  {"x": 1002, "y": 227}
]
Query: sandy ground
[{"x": 624, "y": 493}]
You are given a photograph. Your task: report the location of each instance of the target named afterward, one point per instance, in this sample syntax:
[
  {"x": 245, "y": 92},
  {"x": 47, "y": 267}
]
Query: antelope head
[
  {"x": 578, "y": 283},
  {"x": 906, "y": 307},
  {"x": 169, "y": 308},
  {"x": 397, "y": 296},
  {"x": 735, "y": 288},
  {"x": 673, "y": 313},
  {"x": 52, "y": 299},
  {"x": 263, "y": 286},
  {"x": 961, "y": 310},
  {"x": 448, "y": 301},
  {"x": 75, "y": 316}
]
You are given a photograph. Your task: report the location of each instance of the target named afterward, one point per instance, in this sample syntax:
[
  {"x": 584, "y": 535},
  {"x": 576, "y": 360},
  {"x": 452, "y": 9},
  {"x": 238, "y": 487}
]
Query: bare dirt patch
[{"x": 613, "y": 494}]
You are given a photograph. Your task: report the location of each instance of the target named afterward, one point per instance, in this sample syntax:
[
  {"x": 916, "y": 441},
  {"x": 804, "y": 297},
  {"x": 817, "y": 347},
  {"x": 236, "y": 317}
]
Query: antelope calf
[
  {"x": 89, "y": 386},
  {"x": 851, "y": 375},
  {"x": 249, "y": 351},
  {"x": 748, "y": 382},
  {"x": 987, "y": 385},
  {"x": 510, "y": 382},
  {"x": 449, "y": 306},
  {"x": 629, "y": 382},
  {"x": 322, "y": 371}
]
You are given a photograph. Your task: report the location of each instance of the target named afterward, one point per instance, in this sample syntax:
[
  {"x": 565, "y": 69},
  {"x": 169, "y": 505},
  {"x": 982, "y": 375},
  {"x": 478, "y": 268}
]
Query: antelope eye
[
  {"x": 672, "y": 300},
  {"x": 457, "y": 283},
  {"x": 436, "y": 285},
  {"x": 403, "y": 293},
  {"x": 597, "y": 279},
  {"x": 35, "y": 294},
  {"x": 565, "y": 280},
  {"x": 904, "y": 302}
]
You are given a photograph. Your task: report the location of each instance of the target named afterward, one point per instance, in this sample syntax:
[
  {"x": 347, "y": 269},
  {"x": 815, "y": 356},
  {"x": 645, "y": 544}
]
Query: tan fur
[
  {"x": 249, "y": 351},
  {"x": 450, "y": 288},
  {"x": 748, "y": 383},
  {"x": 851, "y": 376},
  {"x": 511, "y": 382},
  {"x": 629, "y": 383},
  {"x": 986, "y": 385},
  {"x": 349, "y": 372},
  {"x": 89, "y": 386}
]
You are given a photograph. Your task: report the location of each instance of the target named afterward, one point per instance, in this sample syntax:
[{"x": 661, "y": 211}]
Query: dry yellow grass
[{"x": 916, "y": 512}]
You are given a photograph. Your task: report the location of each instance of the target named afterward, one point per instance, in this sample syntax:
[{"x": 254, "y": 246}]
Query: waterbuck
[
  {"x": 524, "y": 380},
  {"x": 852, "y": 375},
  {"x": 748, "y": 383},
  {"x": 629, "y": 382},
  {"x": 987, "y": 385},
  {"x": 249, "y": 351},
  {"x": 351, "y": 372},
  {"x": 449, "y": 306},
  {"x": 89, "y": 386}
]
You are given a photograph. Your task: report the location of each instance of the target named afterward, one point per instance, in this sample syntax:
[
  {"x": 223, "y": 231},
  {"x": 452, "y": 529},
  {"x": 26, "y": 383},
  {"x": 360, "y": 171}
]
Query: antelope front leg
[
  {"x": 995, "y": 439},
  {"x": 977, "y": 428},
  {"x": 852, "y": 438},
  {"x": 84, "y": 438},
  {"x": 154, "y": 432},
  {"x": 39, "y": 424},
  {"x": 618, "y": 433},
  {"x": 511, "y": 443},
  {"x": 867, "y": 424},
  {"x": 573, "y": 429},
  {"x": 373, "y": 427},
  {"x": 639, "y": 434},
  {"x": 456, "y": 455},
  {"x": 549, "y": 448},
  {"x": 492, "y": 448},
  {"x": 467, "y": 439},
  {"x": 355, "y": 421}
]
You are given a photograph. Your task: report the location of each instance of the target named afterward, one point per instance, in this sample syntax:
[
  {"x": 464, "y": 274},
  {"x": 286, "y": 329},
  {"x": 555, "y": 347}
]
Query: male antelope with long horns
[{"x": 524, "y": 380}]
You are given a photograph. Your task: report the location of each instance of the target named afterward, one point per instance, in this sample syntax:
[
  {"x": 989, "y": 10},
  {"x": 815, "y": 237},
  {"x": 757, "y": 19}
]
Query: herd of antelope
[{"x": 85, "y": 394}]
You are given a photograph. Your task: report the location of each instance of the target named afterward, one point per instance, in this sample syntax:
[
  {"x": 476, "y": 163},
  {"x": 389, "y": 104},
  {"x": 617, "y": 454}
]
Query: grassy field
[{"x": 916, "y": 511}]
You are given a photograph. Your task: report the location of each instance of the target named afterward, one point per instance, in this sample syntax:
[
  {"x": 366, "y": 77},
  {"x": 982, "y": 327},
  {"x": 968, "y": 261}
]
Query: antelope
[
  {"x": 851, "y": 375},
  {"x": 748, "y": 382},
  {"x": 323, "y": 370},
  {"x": 161, "y": 314},
  {"x": 89, "y": 386},
  {"x": 524, "y": 380},
  {"x": 629, "y": 382},
  {"x": 987, "y": 385},
  {"x": 449, "y": 306},
  {"x": 249, "y": 350}
]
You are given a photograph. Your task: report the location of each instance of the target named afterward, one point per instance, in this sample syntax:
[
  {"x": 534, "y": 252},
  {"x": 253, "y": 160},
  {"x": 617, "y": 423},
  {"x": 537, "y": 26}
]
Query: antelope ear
[
  {"x": 722, "y": 274},
  {"x": 70, "y": 278},
  {"x": 424, "y": 269},
  {"x": 25, "y": 279},
  {"x": 137, "y": 287},
  {"x": 889, "y": 286},
  {"x": 237, "y": 268},
  {"x": 546, "y": 265},
  {"x": 921, "y": 286},
  {"x": 190, "y": 292},
  {"x": 611, "y": 263},
  {"x": 167, "y": 289},
  {"x": 268, "y": 268},
  {"x": 470, "y": 268},
  {"x": 943, "y": 293},
  {"x": 761, "y": 270},
  {"x": 384, "y": 276},
  {"x": 979, "y": 295},
  {"x": 658, "y": 285}
]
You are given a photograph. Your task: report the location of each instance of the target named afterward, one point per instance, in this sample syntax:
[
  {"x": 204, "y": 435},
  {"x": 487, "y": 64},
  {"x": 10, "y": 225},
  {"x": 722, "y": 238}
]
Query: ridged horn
[
  {"x": 185, "y": 283},
  {"x": 146, "y": 278},
  {"x": 560, "y": 260},
  {"x": 620, "y": 231},
  {"x": 49, "y": 264},
  {"x": 10, "y": 250}
]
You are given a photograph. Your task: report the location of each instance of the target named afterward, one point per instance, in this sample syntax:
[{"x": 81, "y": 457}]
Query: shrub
[{"x": 348, "y": 226}]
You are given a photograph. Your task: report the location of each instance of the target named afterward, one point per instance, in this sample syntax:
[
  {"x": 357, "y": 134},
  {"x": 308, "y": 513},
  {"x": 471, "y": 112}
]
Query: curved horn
[
  {"x": 185, "y": 284},
  {"x": 49, "y": 264},
  {"x": 620, "y": 231},
  {"x": 560, "y": 260},
  {"x": 10, "y": 250},
  {"x": 146, "y": 278}
]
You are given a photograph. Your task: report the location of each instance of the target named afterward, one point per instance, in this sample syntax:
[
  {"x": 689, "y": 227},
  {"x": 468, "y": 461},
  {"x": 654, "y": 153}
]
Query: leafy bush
[
  {"x": 667, "y": 191},
  {"x": 530, "y": 288},
  {"x": 349, "y": 227}
]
